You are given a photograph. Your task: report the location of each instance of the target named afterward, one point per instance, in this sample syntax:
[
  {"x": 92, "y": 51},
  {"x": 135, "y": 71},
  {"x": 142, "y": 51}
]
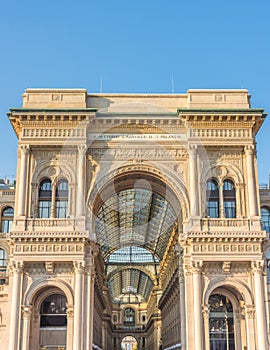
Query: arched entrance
[
  {"x": 53, "y": 321},
  {"x": 129, "y": 343},
  {"x": 221, "y": 323},
  {"x": 49, "y": 322},
  {"x": 137, "y": 216}
]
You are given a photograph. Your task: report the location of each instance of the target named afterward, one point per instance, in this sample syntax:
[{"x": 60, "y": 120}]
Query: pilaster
[
  {"x": 16, "y": 269},
  {"x": 78, "y": 306},
  {"x": 251, "y": 181}
]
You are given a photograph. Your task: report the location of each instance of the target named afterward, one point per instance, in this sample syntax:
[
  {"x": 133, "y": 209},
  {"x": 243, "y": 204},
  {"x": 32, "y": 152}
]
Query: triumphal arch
[{"x": 136, "y": 223}]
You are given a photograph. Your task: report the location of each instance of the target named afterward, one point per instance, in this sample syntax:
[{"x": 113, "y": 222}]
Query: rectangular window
[
  {"x": 212, "y": 209},
  {"x": 44, "y": 209},
  {"x": 61, "y": 209},
  {"x": 229, "y": 209},
  {"x": 6, "y": 226}
]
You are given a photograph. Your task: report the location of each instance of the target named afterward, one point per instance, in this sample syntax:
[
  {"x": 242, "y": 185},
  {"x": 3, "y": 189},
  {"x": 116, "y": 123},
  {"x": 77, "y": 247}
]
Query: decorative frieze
[{"x": 146, "y": 152}]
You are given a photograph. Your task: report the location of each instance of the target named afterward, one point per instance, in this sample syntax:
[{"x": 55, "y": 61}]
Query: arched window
[
  {"x": 61, "y": 199},
  {"x": 129, "y": 317},
  {"x": 45, "y": 198},
  {"x": 212, "y": 196},
  {"x": 53, "y": 321},
  {"x": 6, "y": 219},
  {"x": 265, "y": 216},
  {"x": 229, "y": 199},
  {"x": 221, "y": 324}
]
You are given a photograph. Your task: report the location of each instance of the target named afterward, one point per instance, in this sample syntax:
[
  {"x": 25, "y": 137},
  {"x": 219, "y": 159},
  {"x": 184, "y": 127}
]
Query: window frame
[
  {"x": 53, "y": 200},
  {"x": 44, "y": 198},
  {"x": 212, "y": 197},
  {"x": 6, "y": 220}
]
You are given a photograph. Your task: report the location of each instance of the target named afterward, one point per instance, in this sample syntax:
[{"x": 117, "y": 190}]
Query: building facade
[{"x": 136, "y": 223}]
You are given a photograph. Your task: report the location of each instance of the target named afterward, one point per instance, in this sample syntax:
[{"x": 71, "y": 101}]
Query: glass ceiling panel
[
  {"x": 135, "y": 217},
  {"x": 133, "y": 228},
  {"x": 130, "y": 281},
  {"x": 130, "y": 255}
]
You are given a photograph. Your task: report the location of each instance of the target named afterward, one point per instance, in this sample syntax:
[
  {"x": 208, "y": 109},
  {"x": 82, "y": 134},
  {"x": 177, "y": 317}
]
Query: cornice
[
  {"x": 48, "y": 236},
  {"x": 225, "y": 236}
]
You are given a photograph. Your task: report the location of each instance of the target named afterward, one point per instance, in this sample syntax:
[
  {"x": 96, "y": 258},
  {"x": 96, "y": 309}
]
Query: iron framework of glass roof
[{"x": 133, "y": 229}]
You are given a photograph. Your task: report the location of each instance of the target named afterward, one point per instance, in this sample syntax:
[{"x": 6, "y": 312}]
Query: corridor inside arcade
[{"x": 137, "y": 231}]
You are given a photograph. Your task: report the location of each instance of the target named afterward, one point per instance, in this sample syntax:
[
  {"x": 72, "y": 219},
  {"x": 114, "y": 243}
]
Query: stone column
[
  {"x": 24, "y": 150},
  {"x": 53, "y": 206},
  {"x": 78, "y": 306},
  {"x": 193, "y": 181},
  {"x": 238, "y": 189},
  {"x": 259, "y": 297},
  {"x": 251, "y": 181},
  {"x": 15, "y": 312},
  {"x": 206, "y": 312},
  {"x": 221, "y": 201},
  {"x": 250, "y": 327},
  {"x": 197, "y": 295},
  {"x": 80, "y": 205},
  {"x": 237, "y": 327},
  {"x": 181, "y": 276},
  {"x": 26, "y": 314},
  {"x": 70, "y": 319},
  {"x": 90, "y": 276}
]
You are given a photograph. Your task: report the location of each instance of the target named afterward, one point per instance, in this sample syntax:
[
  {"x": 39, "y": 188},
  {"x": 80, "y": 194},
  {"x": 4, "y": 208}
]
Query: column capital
[
  {"x": 249, "y": 311},
  {"x": 70, "y": 311},
  {"x": 205, "y": 312},
  {"x": 249, "y": 149},
  {"x": 192, "y": 149},
  {"x": 24, "y": 149},
  {"x": 196, "y": 266},
  {"x": 26, "y": 312},
  {"x": 257, "y": 266},
  {"x": 82, "y": 149},
  {"x": 79, "y": 266},
  {"x": 16, "y": 267}
]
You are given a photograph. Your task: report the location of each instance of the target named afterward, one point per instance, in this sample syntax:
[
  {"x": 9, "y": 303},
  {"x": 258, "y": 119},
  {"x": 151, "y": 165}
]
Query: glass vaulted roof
[
  {"x": 133, "y": 229},
  {"x": 137, "y": 217},
  {"x": 130, "y": 285},
  {"x": 132, "y": 254}
]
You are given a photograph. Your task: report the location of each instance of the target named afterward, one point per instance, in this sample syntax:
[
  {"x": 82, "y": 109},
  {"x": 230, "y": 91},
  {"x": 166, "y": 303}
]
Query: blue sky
[{"x": 135, "y": 45}]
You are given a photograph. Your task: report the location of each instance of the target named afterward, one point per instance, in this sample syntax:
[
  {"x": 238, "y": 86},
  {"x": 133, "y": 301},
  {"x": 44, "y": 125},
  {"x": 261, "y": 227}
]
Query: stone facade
[{"x": 194, "y": 156}]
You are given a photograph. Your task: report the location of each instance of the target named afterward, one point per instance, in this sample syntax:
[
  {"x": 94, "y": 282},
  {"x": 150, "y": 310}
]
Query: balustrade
[
  {"x": 220, "y": 223},
  {"x": 35, "y": 224}
]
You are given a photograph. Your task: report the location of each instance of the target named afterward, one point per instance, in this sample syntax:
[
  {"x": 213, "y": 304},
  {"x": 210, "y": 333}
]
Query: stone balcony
[
  {"x": 222, "y": 224},
  {"x": 26, "y": 226},
  {"x": 48, "y": 224},
  {"x": 223, "y": 227}
]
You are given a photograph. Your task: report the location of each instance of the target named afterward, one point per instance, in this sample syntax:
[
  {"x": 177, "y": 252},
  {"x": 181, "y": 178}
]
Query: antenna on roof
[
  {"x": 172, "y": 84},
  {"x": 100, "y": 90}
]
